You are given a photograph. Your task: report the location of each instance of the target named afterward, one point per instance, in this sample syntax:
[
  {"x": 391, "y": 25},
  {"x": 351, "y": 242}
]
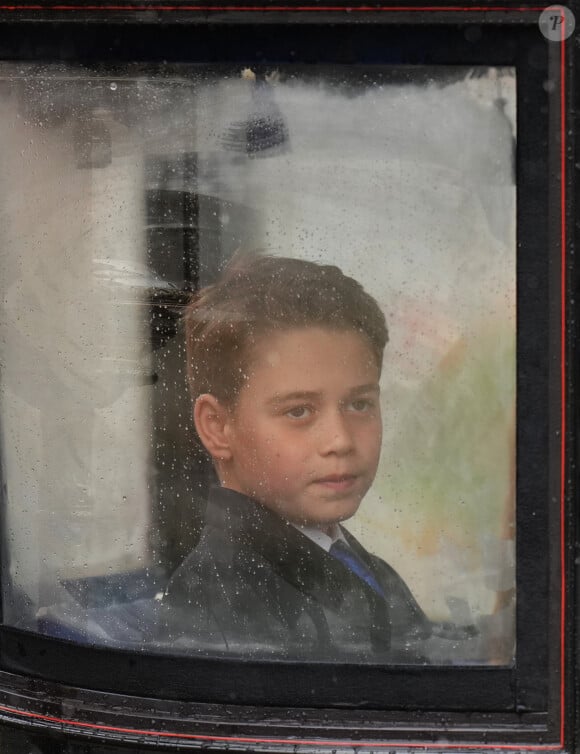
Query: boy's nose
[{"x": 337, "y": 437}]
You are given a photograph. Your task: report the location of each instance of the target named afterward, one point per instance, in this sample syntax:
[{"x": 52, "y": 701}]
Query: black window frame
[{"x": 48, "y": 682}]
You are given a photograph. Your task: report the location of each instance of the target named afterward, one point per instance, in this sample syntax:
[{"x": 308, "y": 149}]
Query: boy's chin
[
  {"x": 333, "y": 518},
  {"x": 319, "y": 513}
]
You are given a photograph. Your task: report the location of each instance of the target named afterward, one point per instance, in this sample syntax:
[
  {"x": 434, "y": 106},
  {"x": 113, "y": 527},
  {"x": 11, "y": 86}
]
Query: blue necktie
[{"x": 347, "y": 557}]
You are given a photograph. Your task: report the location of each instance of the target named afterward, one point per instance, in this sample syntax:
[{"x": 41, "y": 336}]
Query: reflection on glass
[{"x": 124, "y": 192}]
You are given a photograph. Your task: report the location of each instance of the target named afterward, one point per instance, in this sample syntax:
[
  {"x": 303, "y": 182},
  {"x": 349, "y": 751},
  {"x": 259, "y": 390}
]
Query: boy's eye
[
  {"x": 299, "y": 412},
  {"x": 362, "y": 404}
]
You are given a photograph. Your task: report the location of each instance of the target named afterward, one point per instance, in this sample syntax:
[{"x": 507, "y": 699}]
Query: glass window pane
[{"x": 127, "y": 191}]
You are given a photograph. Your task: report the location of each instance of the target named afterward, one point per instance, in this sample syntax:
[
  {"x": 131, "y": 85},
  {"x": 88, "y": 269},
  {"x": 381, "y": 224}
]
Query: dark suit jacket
[{"x": 257, "y": 587}]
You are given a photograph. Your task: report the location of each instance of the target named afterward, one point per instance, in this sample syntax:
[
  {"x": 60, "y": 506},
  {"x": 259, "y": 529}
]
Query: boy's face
[{"x": 305, "y": 432}]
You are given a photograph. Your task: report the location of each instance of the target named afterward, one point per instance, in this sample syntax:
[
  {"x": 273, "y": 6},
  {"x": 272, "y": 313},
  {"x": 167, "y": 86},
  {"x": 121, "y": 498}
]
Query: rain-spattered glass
[{"x": 123, "y": 192}]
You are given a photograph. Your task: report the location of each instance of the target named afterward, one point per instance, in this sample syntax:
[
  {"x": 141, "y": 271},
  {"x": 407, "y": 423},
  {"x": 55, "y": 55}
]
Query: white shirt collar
[{"x": 321, "y": 538}]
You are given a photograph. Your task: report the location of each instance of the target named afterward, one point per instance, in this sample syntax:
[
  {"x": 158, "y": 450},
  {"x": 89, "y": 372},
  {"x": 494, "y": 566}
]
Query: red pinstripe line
[
  {"x": 292, "y": 741},
  {"x": 270, "y": 8},
  {"x": 563, "y": 384}
]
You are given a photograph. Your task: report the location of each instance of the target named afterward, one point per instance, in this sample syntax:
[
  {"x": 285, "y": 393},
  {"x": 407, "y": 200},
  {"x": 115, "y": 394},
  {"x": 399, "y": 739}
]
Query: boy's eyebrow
[
  {"x": 311, "y": 395},
  {"x": 371, "y": 387},
  {"x": 308, "y": 395}
]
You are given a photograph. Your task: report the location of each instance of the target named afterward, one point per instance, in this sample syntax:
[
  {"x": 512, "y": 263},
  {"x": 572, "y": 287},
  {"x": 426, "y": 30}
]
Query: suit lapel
[{"x": 291, "y": 554}]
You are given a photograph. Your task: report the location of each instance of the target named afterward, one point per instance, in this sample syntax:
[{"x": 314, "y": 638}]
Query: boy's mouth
[{"x": 337, "y": 481}]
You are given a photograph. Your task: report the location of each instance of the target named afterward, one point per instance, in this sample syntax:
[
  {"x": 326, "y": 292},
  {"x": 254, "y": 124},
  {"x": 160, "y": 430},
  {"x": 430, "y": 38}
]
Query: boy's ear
[{"x": 210, "y": 418}]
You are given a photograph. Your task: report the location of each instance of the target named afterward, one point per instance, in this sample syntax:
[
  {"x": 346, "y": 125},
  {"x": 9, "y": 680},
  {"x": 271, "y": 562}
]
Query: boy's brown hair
[{"x": 260, "y": 294}]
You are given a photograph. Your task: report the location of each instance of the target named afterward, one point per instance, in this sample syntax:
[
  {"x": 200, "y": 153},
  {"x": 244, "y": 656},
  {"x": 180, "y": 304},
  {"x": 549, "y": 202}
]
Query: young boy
[{"x": 284, "y": 360}]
